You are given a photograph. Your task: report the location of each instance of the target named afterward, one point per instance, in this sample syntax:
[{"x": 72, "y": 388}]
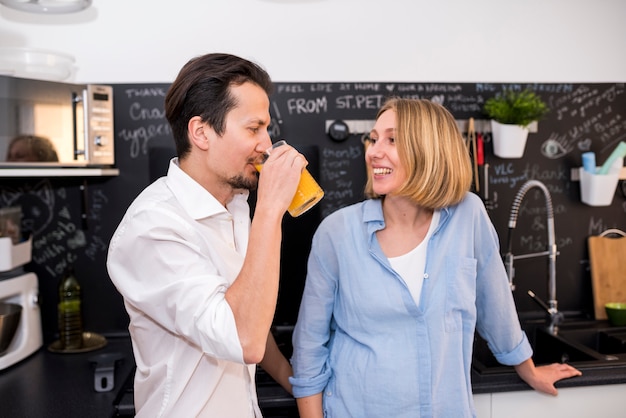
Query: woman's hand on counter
[{"x": 542, "y": 378}]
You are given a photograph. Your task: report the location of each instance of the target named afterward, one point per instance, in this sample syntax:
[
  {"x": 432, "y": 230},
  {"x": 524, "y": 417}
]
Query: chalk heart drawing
[
  {"x": 438, "y": 98},
  {"x": 78, "y": 240},
  {"x": 585, "y": 144}
]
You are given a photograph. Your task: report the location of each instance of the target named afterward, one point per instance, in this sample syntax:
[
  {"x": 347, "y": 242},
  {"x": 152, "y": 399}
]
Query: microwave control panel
[{"x": 99, "y": 144}]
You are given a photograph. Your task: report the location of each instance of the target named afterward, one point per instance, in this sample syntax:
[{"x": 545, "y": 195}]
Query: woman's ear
[{"x": 199, "y": 133}]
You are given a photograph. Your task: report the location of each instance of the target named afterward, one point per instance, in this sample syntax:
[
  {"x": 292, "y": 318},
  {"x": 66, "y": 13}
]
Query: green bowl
[{"x": 616, "y": 312}]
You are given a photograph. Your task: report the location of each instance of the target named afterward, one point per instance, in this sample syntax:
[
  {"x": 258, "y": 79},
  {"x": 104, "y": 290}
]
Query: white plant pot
[{"x": 509, "y": 141}]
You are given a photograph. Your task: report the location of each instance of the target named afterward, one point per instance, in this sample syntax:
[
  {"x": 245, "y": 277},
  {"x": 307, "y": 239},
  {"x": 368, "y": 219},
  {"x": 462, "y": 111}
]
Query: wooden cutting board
[{"x": 607, "y": 258}]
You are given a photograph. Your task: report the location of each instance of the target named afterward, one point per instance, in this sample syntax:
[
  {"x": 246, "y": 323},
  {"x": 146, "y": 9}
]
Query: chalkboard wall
[{"x": 73, "y": 219}]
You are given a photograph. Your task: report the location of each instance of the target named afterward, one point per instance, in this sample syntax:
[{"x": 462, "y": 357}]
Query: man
[{"x": 198, "y": 277}]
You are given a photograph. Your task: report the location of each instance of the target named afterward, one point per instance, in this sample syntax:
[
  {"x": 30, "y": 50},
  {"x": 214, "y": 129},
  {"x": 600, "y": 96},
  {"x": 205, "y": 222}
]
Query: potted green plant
[{"x": 511, "y": 112}]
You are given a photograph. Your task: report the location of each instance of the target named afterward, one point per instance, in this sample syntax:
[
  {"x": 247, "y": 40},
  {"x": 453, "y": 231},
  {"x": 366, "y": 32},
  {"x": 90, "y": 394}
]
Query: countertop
[
  {"x": 54, "y": 385},
  {"x": 509, "y": 382},
  {"x": 504, "y": 379}
]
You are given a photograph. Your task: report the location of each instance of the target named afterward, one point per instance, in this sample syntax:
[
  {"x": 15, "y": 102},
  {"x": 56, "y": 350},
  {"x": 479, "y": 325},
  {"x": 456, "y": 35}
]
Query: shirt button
[{"x": 426, "y": 275}]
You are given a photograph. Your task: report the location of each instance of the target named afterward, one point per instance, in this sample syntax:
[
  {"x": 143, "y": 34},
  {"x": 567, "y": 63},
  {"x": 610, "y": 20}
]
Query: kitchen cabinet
[
  {"x": 482, "y": 403},
  {"x": 574, "y": 402}
]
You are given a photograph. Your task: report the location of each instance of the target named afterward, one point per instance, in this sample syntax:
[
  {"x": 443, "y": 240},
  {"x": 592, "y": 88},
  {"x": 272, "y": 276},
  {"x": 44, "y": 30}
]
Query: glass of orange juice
[{"x": 308, "y": 192}]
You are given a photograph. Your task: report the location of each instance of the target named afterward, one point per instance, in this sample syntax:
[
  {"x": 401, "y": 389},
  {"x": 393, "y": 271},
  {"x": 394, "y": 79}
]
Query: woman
[
  {"x": 398, "y": 284},
  {"x": 26, "y": 148}
]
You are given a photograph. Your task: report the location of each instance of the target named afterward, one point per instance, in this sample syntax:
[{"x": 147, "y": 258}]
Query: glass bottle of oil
[{"x": 70, "y": 314}]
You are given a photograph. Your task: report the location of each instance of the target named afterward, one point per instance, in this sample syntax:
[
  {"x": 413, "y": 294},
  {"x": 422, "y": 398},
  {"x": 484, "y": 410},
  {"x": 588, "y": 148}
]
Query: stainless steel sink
[{"x": 589, "y": 344}]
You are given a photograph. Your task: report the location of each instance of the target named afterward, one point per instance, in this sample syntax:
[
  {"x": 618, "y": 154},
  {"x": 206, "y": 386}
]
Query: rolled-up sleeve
[{"x": 497, "y": 320}]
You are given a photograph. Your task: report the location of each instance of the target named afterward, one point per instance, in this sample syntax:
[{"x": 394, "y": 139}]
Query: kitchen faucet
[{"x": 556, "y": 317}]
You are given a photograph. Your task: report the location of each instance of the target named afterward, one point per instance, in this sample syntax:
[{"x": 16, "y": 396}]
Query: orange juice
[{"x": 307, "y": 194}]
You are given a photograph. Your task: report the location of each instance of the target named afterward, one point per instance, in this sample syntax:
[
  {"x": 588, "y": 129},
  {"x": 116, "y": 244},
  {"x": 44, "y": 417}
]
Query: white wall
[{"x": 119, "y": 41}]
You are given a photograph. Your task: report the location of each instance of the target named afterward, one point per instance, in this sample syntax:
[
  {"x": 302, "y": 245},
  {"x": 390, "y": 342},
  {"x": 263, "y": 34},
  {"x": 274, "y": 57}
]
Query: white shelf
[
  {"x": 575, "y": 175},
  {"x": 59, "y": 172}
]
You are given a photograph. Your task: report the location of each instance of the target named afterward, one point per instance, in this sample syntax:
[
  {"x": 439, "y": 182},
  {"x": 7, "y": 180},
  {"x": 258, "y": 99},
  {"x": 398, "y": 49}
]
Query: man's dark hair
[{"x": 202, "y": 88}]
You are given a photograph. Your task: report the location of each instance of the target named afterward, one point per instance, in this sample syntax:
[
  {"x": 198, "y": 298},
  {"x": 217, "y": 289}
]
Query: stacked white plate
[{"x": 36, "y": 63}]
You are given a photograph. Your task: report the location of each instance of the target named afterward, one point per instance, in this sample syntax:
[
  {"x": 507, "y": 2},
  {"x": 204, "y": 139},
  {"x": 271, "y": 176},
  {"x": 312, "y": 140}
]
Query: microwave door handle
[{"x": 76, "y": 100}]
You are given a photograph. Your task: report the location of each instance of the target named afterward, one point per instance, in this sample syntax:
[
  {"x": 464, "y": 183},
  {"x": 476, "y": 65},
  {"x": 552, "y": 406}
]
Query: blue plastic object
[{"x": 589, "y": 162}]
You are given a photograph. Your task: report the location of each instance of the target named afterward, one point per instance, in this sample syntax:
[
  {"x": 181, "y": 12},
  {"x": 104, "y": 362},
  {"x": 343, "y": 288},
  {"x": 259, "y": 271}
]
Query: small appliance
[
  {"x": 22, "y": 288},
  {"x": 48, "y": 123}
]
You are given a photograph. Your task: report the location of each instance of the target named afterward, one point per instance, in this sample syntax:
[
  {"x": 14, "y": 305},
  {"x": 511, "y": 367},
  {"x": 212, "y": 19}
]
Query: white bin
[{"x": 598, "y": 189}]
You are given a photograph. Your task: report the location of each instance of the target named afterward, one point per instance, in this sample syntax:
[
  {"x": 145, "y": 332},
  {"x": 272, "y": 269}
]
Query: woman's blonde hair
[{"x": 433, "y": 152}]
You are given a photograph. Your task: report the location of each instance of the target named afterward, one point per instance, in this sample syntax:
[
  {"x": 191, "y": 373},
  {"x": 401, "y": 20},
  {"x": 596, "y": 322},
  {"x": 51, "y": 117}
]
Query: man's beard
[{"x": 241, "y": 182}]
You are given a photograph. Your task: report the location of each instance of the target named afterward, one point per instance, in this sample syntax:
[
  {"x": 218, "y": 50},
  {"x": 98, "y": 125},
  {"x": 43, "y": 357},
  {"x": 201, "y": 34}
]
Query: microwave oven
[{"x": 48, "y": 123}]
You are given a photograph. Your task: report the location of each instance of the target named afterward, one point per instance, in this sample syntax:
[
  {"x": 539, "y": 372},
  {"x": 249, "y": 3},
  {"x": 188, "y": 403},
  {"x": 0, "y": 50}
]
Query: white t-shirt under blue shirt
[{"x": 410, "y": 266}]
